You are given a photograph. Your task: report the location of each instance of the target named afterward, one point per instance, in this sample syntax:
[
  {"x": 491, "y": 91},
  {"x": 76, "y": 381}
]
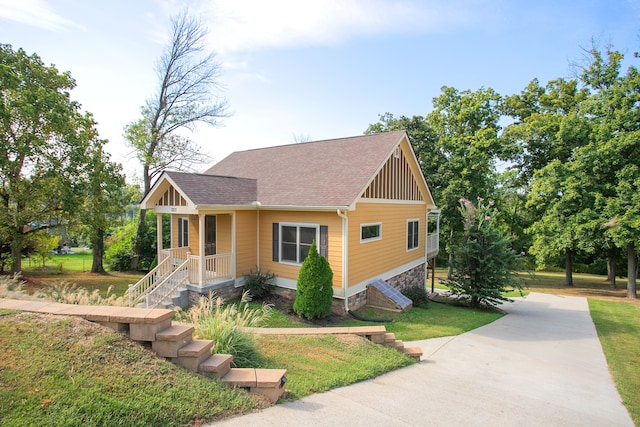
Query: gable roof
[
  {"x": 330, "y": 173},
  {"x": 208, "y": 190}
]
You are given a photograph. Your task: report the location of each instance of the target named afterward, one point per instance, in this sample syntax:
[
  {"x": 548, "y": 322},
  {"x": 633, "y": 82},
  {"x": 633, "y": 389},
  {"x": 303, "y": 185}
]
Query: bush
[
  {"x": 223, "y": 323},
  {"x": 258, "y": 283},
  {"x": 314, "y": 293},
  {"x": 418, "y": 295}
]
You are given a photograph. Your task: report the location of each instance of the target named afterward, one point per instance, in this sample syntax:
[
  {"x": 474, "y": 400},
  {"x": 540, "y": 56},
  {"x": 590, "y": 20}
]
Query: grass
[
  {"x": 319, "y": 363},
  {"x": 75, "y": 268},
  {"x": 64, "y": 371},
  {"x": 618, "y": 326}
]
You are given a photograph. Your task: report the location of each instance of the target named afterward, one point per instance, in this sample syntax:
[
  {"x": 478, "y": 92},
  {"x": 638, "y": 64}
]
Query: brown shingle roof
[
  {"x": 321, "y": 173},
  {"x": 215, "y": 190}
]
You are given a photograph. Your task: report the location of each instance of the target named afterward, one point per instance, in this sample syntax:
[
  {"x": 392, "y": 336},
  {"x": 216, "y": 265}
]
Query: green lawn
[{"x": 618, "y": 326}]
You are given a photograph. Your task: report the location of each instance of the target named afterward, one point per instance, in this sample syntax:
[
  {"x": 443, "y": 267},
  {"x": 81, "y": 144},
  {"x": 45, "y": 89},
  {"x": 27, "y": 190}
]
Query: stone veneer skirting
[{"x": 228, "y": 291}]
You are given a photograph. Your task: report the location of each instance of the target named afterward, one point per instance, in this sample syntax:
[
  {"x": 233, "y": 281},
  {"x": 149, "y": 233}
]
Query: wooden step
[
  {"x": 217, "y": 365},
  {"x": 415, "y": 352},
  {"x": 192, "y": 354},
  {"x": 170, "y": 340}
]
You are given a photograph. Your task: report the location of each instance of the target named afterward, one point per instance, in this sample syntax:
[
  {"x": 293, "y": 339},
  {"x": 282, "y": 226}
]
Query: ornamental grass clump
[
  {"x": 314, "y": 293},
  {"x": 483, "y": 260},
  {"x": 70, "y": 293},
  {"x": 222, "y": 323}
]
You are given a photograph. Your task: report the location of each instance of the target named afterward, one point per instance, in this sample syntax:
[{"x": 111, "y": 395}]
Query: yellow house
[{"x": 363, "y": 200}]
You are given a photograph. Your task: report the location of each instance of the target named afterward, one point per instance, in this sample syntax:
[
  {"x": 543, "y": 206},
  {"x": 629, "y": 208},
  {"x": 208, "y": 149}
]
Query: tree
[
  {"x": 457, "y": 145},
  {"x": 45, "y": 140},
  {"x": 484, "y": 261},
  {"x": 188, "y": 79},
  {"x": 104, "y": 201},
  {"x": 614, "y": 158},
  {"x": 314, "y": 291}
]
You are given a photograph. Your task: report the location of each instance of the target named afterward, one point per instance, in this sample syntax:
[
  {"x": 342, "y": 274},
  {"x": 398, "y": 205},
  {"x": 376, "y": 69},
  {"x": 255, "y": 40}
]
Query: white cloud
[
  {"x": 241, "y": 25},
  {"x": 37, "y": 13}
]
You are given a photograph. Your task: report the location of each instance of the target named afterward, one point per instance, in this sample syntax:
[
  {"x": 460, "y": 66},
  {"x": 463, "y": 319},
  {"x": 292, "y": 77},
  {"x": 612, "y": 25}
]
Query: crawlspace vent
[{"x": 392, "y": 293}]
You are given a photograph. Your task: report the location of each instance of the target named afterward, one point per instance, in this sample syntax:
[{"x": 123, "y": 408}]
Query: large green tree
[
  {"x": 188, "y": 79},
  {"x": 44, "y": 141},
  {"x": 613, "y": 160}
]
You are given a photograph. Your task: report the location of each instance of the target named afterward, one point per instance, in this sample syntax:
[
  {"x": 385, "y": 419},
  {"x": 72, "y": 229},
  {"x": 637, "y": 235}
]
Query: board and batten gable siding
[
  {"x": 289, "y": 271},
  {"x": 375, "y": 258}
]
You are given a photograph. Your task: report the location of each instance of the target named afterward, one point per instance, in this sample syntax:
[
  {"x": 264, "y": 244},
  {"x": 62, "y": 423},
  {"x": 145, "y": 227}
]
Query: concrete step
[
  {"x": 218, "y": 365},
  {"x": 398, "y": 344},
  {"x": 170, "y": 340},
  {"x": 415, "y": 352},
  {"x": 389, "y": 337},
  {"x": 192, "y": 354},
  {"x": 265, "y": 382}
]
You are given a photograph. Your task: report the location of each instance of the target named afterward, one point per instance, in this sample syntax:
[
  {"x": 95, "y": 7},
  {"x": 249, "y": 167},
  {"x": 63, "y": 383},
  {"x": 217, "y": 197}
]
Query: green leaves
[{"x": 314, "y": 291}]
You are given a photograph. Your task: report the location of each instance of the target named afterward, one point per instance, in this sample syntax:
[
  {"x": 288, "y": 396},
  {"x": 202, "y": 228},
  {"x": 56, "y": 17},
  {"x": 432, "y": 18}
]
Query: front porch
[{"x": 178, "y": 269}]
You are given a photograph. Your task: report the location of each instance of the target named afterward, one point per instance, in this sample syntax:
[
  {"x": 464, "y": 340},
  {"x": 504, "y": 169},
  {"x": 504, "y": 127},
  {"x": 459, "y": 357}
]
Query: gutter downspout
[
  {"x": 257, "y": 205},
  {"x": 345, "y": 257}
]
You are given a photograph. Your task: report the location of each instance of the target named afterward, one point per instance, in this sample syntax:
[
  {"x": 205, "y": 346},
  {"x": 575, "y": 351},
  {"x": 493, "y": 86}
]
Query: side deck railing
[{"x": 433, "y": 244}]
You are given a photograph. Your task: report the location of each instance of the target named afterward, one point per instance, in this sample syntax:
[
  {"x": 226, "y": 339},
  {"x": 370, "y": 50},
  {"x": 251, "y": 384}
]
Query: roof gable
[{"x": 331, "y": 173}]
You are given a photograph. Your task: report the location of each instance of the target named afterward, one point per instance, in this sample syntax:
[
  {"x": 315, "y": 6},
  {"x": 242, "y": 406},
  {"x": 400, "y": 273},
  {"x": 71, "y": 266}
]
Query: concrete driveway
[{"x": 540, "y": 365}]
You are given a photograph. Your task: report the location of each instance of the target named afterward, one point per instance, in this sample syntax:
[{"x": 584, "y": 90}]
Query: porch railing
[
  {"x": 168, "y": 286},
  {"x": 175, "y": 253},
  {"x": 433, "y": 243},
  {"x": 150, "y": 281},
  {"x": 215, "y": 267}
]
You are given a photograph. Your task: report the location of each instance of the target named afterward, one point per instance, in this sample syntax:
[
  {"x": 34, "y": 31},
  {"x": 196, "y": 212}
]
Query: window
[
  {"x": 413, "y": 234},
  {"x": 183, "y": 232},
  {"x": 370, "y": 232},
  {"x": 296, "y": 240}
]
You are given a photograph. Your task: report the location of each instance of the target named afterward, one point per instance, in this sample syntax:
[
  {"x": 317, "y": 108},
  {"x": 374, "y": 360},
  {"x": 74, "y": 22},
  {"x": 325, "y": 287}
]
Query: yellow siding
[
  {"x": 287, "y": 271},
  {"x": 246, "y": 241},
  {"x": 223, "y": 234},
  {"x": 193, "y": 232},
  {"x": 374, "y": 258}
]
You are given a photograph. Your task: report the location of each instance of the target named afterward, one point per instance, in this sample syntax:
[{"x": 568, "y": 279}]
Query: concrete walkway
[{"x": 541, "y": 365}]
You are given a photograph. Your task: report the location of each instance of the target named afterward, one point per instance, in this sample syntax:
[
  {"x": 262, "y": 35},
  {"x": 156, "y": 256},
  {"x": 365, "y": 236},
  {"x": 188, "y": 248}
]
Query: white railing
[
  {"x": 433, "y": 243},
  {"x": 168, "y": 286},
  {"x": 149, "y": 281},
  {"x": 215, "y": 267}
]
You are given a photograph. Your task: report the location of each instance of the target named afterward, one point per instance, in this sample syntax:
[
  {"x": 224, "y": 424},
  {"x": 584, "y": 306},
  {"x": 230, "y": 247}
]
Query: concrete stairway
[{"x": 175, "y": 342}]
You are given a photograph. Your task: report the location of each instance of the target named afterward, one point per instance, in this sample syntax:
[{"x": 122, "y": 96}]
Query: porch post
[
  {"x": 233, "y": 245},
  {"x": 159, "y": 235},
  {"x": 201, "y": 238}
]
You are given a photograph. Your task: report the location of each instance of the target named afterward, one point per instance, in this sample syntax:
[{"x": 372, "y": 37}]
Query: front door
[{"x": 209, "y": 235}]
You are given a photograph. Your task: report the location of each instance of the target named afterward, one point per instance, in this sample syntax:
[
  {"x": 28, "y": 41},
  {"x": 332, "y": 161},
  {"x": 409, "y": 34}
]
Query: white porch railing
[
  {"x": 215, "y": 267},
  {"x": 175, "y": 253},
  {"x": 168, "y": 286},
  {"x": 150, "y": 281}
]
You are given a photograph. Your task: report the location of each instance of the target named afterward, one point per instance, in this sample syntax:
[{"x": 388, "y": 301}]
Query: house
[{"x": 363, "y": 200}]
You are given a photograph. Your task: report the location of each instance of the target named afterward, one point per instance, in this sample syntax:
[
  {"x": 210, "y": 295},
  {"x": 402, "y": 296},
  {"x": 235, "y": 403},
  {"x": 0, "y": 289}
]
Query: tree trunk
[
  {"x": 16, "y": 256},
  {"x": 611, "y": 270},
  {"x": 632, "y": 274},
  {"x": 568, "y": 267},
  {"x": 97, "y": 265}
]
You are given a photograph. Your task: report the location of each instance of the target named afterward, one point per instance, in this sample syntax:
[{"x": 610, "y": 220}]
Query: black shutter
[
  {"x": 276, "y": 242},
  {"x": 324, "y": 241}
]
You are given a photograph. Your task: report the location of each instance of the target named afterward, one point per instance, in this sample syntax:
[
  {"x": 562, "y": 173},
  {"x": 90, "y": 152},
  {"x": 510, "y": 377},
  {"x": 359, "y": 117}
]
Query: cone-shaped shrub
[{"x": 315, "y": 287}]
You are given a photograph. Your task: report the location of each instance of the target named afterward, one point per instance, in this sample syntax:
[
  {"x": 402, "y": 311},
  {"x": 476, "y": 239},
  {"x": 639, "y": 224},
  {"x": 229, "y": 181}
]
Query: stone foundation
[
  {"x": 409, "y": 278},
  {"x": 226, "y": 291}
]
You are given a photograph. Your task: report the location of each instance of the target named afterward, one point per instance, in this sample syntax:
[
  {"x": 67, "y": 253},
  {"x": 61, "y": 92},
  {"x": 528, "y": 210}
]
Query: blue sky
[{"x": 314, "y": 69}]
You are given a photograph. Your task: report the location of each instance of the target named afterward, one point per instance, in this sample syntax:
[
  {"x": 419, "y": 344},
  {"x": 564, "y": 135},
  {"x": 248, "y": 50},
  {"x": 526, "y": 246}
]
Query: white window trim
[
  {"x": 407, "y": 235},
  {"x": 298, "y": 225},
  {"x": 371, "y": 239}
]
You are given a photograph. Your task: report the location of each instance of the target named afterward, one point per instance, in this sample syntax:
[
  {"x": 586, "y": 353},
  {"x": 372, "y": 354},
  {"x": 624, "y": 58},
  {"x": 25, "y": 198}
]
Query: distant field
[{"x": 75, "y": 268}]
